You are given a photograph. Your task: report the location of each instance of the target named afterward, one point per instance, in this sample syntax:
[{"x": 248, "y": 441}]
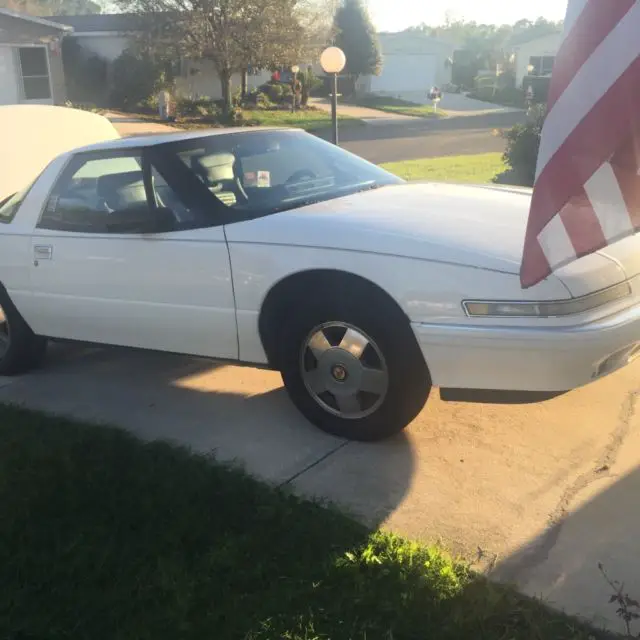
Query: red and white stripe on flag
[{"x": 587, "y": 190}]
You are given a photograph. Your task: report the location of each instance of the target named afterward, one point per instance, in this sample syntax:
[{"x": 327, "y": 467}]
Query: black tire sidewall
[
  {"x": 409, "y": 381},
  {"x": 25, "y": 350}
]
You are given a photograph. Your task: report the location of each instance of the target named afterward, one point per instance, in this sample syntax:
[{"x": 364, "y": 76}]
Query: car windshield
[{"x": 263, "y": 172}]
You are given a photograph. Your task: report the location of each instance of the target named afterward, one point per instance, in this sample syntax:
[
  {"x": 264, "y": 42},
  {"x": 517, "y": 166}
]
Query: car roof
[{"x": 162, "y": 138}]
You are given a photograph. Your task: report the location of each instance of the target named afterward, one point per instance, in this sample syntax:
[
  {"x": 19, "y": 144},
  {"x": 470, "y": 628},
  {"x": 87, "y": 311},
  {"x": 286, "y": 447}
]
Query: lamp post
[{"x": 333, "y": 62}]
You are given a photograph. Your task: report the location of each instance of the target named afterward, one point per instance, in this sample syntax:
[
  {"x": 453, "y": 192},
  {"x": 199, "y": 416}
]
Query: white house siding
[
  {"x": 199, "y": 79},
  {"x": 105, "y": 45},
  {"x": 9, "y": 91},
  {"x": 546, "y": 46},
  {"x": 412, "y": 64},
  {"x": 406, "y": 72}
]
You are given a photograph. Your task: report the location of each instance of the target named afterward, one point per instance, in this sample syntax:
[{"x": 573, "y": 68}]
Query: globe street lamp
[{"x": 333, "y": 62}]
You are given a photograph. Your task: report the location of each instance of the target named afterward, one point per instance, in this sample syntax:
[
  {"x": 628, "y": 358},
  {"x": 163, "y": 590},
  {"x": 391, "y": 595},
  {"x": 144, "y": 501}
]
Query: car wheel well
[{"x": 320, "y": 281}]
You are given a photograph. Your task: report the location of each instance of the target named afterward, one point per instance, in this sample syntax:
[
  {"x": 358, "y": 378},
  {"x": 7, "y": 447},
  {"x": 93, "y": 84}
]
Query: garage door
[
  {"x": 8, "y": 77},
  {"x": 402, "y": 73}
]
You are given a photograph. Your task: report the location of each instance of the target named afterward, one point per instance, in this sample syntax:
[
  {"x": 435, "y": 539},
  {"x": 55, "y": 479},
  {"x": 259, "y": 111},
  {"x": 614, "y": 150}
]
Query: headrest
[
  {"x": 215, "y": 167},
  {"x": 119, "y": 183}
]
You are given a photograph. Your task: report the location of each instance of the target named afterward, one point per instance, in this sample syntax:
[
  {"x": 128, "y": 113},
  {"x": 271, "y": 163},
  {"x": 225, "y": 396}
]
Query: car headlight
[{"x": 547, "y": 309}]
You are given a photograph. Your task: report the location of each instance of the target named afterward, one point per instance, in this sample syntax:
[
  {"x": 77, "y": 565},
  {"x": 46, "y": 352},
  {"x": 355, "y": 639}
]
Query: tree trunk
[
  {"x": 245, "y": 82},
  {"x": 225, "y": 85}
]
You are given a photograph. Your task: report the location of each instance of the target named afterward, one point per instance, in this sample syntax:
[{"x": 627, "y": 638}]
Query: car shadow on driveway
[
  {"x": 596, "y": 522},
  {"x": 240, "y": 415}
]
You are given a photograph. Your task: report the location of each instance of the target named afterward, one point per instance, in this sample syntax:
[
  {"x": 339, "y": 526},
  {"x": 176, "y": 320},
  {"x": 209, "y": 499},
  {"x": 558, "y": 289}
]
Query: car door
[{"x": 122, "y": 257}]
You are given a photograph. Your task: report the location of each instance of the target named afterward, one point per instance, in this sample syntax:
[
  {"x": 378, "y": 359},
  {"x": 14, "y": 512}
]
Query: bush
[
  {"x": 258, "y": 99},
  {"x": 507, "y": 96},
  {"x": 85, "y": 73},
  {"x": 82, "y": 106},
  {"x": 136, "y": 78},
  {"x": 278, "y": 92},
  {"x": 523, "y": 143},
  {"x": 199, "y": 108}
]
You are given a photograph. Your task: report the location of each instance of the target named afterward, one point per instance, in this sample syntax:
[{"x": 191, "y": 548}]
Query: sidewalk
[{"x": 363, "y": 113}]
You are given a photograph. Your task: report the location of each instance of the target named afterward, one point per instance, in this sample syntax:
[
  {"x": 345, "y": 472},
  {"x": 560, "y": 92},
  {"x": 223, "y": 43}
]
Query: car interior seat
[
  {"x": 217, "y": 172},
  {"x": 122, "y": 190}
]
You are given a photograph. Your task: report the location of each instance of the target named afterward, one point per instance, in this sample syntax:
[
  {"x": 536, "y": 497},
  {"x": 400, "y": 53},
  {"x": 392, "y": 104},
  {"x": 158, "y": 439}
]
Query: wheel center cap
[{"x": 339, "y": 373}]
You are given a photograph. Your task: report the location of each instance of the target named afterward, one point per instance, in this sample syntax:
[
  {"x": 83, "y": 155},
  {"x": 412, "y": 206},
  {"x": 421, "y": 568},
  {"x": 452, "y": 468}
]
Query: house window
[
  {"x": 541, "y": 65},
  {"x": 35, "y": 73}
]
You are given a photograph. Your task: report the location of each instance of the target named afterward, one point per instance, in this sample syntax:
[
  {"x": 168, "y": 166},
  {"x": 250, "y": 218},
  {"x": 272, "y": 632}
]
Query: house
[
  {"x": 412, "y": 64},
  {"x": 536, "y": 57},
  {"x": 108, "y": 35},
  {"x": 31, "y": 69}
]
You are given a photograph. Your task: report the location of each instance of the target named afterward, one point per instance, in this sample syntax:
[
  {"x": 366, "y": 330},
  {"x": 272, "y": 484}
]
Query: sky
[{"x": 395, "y": 15}]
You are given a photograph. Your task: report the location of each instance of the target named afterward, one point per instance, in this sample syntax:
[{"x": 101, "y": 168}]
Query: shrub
[
  {"x": 258, "y": 99},
  {"x": 523, "y": 143},
  {"x": 85, "y": 73},
  {"x": 82, "y": 106},
  {"x": 196, "y": 108},
  {"x": 508, "y": 96},
  {"x": 278, "y": 92},
  {"x": 136, "y": 78}
]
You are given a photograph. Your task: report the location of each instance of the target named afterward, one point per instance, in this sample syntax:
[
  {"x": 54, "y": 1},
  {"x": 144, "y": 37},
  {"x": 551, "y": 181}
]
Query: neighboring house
[
  {"x": 108, "y": 35},
  {"x": 412, "y": 64},
  {"x": 536, "y": 57},
  {"x": 105, "y": 35},
  {"x": 31, "y": 69}
]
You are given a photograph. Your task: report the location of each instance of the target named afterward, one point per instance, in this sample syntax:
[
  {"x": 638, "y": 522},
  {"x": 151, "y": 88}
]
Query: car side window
[{"x": 91, "y": 190}]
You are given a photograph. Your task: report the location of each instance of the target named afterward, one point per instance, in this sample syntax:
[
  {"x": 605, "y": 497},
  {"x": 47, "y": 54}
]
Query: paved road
[
  {"x": 404, "y": 140},
  {"x": 545, "y": 491},
  {"x": 427, "y": 138}
]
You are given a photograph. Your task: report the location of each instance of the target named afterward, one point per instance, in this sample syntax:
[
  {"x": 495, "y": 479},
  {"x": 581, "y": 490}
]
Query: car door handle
[{"x": 42, "y": 252}]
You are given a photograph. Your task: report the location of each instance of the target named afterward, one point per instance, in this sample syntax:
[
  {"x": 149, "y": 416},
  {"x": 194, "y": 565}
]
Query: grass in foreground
[
  {"x": 105, "y": 537},
  {"x": 476, "y": 169},
  {"x": 396, "y": 105}
]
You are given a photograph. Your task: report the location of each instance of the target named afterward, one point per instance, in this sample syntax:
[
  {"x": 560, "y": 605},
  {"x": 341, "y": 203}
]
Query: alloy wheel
[{"x": 344, "y": 370}]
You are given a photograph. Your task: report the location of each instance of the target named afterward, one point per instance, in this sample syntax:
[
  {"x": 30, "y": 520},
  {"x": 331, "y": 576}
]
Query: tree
[
  {"x": 356, "y": 36},
  {"x": 233, "y": 34},
  {"x": 51, "y": 7}
]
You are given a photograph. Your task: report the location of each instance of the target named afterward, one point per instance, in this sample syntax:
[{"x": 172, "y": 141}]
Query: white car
[{"x": 273, "y": 248}]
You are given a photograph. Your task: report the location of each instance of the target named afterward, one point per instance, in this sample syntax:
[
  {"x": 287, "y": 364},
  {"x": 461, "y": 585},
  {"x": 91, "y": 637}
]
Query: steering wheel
[{"x": 300, "y": 175}]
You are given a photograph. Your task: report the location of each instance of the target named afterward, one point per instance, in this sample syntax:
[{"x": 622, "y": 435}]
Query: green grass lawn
[
  {"x": 308, "y": 119},
  {"x": 396, "y": 105},
  {"x": 103, "y": 537},
  {"x": 480, "y": 168}
]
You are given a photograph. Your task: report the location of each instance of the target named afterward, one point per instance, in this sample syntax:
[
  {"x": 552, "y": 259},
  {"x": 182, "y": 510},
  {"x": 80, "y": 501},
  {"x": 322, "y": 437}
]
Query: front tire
[
  {"x": 353, "y": 367},
  {"x": 20, "y": 349}
]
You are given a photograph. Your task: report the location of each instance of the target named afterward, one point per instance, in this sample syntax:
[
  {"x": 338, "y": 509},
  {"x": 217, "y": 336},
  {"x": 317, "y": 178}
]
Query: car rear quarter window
[
  {"x": 9, "y": 206},
  {"x": 90, "y": 189}
]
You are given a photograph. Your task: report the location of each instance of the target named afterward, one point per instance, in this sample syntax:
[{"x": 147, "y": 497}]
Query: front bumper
[{"x": 546, "y": 359}]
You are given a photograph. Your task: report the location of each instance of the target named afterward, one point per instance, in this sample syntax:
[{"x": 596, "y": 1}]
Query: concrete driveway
[{"x": 541, "y": 492}]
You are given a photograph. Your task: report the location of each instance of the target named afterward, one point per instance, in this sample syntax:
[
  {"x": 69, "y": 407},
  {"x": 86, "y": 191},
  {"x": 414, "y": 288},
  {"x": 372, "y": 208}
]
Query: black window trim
[
  {"x": 26, "y": 191},
  {"x": 169, "y": 168}
]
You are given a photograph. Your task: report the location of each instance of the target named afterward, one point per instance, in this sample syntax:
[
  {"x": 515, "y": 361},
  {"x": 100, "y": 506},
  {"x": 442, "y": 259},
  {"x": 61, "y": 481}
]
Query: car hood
[
  {"x": 472, "y": 226},
  {"x": 479, "y": 226}
]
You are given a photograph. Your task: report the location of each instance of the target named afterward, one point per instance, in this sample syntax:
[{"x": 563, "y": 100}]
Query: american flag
[{"x": 587, "y": 190}]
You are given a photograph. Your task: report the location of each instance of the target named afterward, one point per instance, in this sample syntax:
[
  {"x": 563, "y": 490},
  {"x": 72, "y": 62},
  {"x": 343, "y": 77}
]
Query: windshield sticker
[{"x": 257, "y": 179}]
